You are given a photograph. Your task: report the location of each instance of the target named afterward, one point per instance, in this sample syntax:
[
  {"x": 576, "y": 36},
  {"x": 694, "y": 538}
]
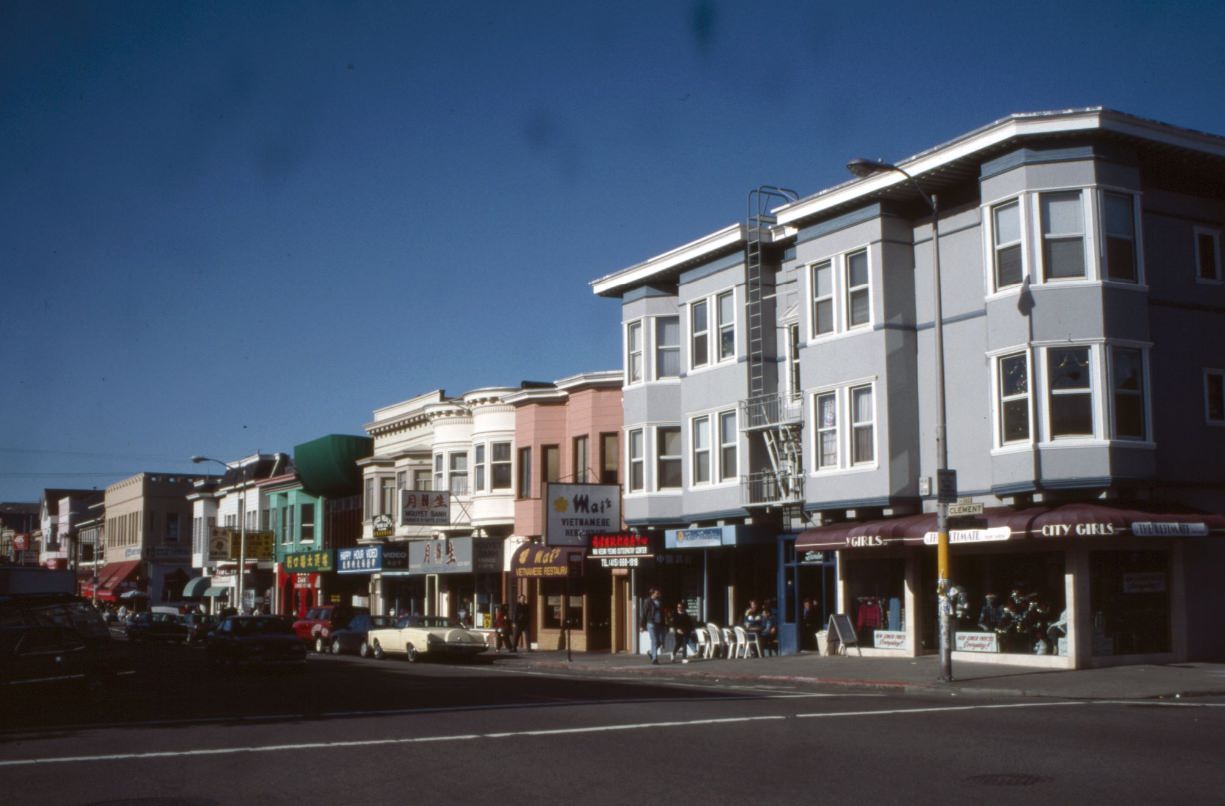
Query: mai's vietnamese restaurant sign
[{"x": 574, "y": 512}]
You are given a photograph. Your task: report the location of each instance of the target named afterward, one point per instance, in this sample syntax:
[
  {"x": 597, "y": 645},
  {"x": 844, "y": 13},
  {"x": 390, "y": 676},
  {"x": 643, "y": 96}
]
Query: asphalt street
[{"x": 348, "y": 730}]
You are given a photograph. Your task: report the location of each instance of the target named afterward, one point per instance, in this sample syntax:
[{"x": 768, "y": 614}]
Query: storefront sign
[
  {"x": 694, "y": 538},
  {"x": 359, "y": 560},
  {"x": 302, "y": 580},
  {"x": 573, "y": 512},
  {"x": 133, "y": 553},
  {"x": 543, "y": 562},
  {"x": 425, "y": 508},
  {"x": 446, "y": 556},
  {"x": 992, "y": 535},
  {"x": 1153, "y": 529},
  {"x": 383, "y": 526},
  {"x": 19, "y": 542},
  {"x": 889, "y": 639},
  {"x": 170, "y": 553},
  {"x": 395, "y": 556},
  {"x": 309, "y": 561},
  {"x": 1144, "y": 582},
  {"x": 976, "y": 642},
  {"x": 621, "y": 550},
  {"x": 812, "y": 558},
  {"x": 1079, "y": 529}
]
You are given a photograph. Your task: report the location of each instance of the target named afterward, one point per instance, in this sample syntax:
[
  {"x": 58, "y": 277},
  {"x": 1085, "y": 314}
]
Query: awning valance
[
  {"x": 1005, "y": 523},
  {"x": 216, "y": 591},
  {"x": 113, "y": 576},
  {"x": 196, "y": 587},
  {"x": 546, "y": 562}
]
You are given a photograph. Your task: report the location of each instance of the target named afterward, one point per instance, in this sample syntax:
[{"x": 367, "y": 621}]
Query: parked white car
[{"x": 414, "y": 636}]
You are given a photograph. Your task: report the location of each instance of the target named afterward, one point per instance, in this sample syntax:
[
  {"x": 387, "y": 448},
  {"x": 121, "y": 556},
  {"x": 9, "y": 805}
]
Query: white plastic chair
[
  {"x": 748, "y": 642},
  {"x": 729, "y": 641},
  {"x": 703, "y": 642},
  {"x": 716, "y": 640}
]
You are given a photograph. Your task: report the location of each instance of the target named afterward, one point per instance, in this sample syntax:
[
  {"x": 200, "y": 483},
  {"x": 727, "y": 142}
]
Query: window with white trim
[
  {"x": 700, "y": 437},
  {"x": 438, "y": 474},
  {"x": 667, "y": 347},
  {"x": 668, "y": 458},
  {"x": 1063, "y": 235},
  {"x": 525, "y": 473},
  {"x": 863, "y": 426},
  {"x": 827, "y": 430},
  {"x": 579, "y": 456},
  {"x": 387, "y": 496},
  {"x": 421, "y": 479},
  {"x": 858, "y": 293},
  {"x": 633, "y": 352},
  {"x": 793, "y": 361},
  {"x": 1119, "y": 230},
  {"x": 499, "y": 466},
  {"x": 1127, "y": 381},
  {"x": 729, "y": 436},
  {"x": 725, "y": 305},
  {"x": 1013, "y": 392},
  {"x": 823, "y": 298},
  {"x": 636, "y": 459},
  {"x": 699, "y": 328},
  {"x": 1214, "y": 396},
  {"x": 1069, "y": 392},
  {"x": 457, "y": 471},
  {"x": 478, "y": 468},
  {"x": 1207, "y": 255},
  {"x": 1006, "y": 233}
]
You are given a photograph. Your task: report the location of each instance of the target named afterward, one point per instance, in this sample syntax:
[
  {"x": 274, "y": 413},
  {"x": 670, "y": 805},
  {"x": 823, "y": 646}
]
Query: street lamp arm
[{"x": 864, "y": 168}]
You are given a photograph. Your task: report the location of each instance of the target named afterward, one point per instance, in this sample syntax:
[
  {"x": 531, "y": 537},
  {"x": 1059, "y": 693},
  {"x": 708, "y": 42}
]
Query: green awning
[
  {"x": 196, "y": 587},
  {"x": 217, "y": 591},
  {"x": 327, "y": 466}
]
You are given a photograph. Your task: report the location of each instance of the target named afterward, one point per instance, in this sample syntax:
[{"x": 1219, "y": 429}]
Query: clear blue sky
[{"x": 234, "y": 226}]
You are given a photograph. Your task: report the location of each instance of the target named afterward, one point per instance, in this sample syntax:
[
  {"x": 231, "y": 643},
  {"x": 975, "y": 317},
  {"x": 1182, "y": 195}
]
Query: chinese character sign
[
  {"x": 425, "y": 507},
  {"x": 305, "y": 562}
]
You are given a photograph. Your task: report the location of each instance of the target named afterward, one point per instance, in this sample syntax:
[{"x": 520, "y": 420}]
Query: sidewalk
[{"x": 902, "y": 675}]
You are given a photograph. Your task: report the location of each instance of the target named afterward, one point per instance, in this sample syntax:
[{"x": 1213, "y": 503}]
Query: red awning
[
  {"x": 112, "y": 576},
  {"x": 1005, "y": 523}
]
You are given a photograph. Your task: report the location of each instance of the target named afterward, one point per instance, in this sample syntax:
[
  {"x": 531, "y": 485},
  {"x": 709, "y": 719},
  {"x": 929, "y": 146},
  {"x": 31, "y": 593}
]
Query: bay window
[
  {"x": 635, "y": 445},
  {"x": 823, "y": 298},
  {"x": 726, "y": 307},
  {"x": 1063, "y": 235},
  {"x": 863, "y": 438},
  {"x": 499, "y": 465},
  {"x": 728, "y": 438},
  {"x": 1070, "y": 392},
  {"x": 633, "y": 352},
  {"x": 1119, "y": 226},
  {"x": 858, "y": 299},
  {"x": 668, "y": 458},
  {"x": 699, "y": 327},
  {"x": 701, "y": 450},
  {"x": 1013, "y": 398},
  {"x": 1006, "y": 232},
  {"x": 827, "y": 430},
  {"x": 667, "y": 347},
  {"x": 1127, "y": 379}
]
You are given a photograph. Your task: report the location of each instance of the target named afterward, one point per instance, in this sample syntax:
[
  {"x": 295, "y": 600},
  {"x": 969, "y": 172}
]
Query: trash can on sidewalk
[{"x": 822, "y": 642}]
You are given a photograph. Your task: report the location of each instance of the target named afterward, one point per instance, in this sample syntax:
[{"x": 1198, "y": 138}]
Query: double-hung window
[
  {"x": 421, "y": 479},
  {"x": 1013, "y": 398},
  {"x": 863, "y": 437},
  {"x": 1070, "y": 392},
  {"x": 499, "y": 465},
  {"x": 728, "y": 439},
  {"x": 438, "y": 474},
  {"x": 699, "y": 327},
  {"x": 726, "y": 307},
  {"x": 609, "y": 460},
  {"x": 387, "y": 496},
  {"x": 1063, "y": 235},
  {"x": 701, "y": 450},
  {"x": 308, "y": 523},
  {"x": 633, "y": 352},
  {"x": 458, "y": 472},
  {"x": 823, "y": 298},
  {"x": 1119, "y": 227},
  {"x": 827, "y": 430},
  {"x": 668, "y": 458},
  {"x": 525, "y": 473},
  {"x": 1127, "y": 380},
  {"x": 1214, "y": 396},
  {"x": 478, "y": 468},
  {"x": 635, "y": 445},
  {"x": 667, "y": 347},
  {"x": 368, "y": 500},
  {"x": 1207, "y": 255},
  {"x": 580, "y": 456},
  {"x": 1006, "y": 232},
  {"x": 858, "y": 296}
]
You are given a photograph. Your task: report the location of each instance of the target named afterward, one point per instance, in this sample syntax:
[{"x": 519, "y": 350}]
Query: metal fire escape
[{"x": 777, "y": 417}]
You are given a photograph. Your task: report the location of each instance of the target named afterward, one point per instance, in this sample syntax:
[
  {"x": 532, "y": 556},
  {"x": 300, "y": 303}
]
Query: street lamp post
[
  {"x": 242, "y": 525},
  {"x": 945, "y": 481}
]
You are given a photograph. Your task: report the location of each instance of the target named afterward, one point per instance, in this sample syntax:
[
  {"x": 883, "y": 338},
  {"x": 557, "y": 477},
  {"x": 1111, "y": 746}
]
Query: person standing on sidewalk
[
  {"x": 682, "y": 626},
  {"x": 519, "y": 619},
  {"x": 653, "y": 621}
]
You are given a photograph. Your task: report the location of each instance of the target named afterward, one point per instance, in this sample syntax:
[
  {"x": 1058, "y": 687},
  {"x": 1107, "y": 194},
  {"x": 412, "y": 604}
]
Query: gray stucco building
[{"x": 780, "y": 396}]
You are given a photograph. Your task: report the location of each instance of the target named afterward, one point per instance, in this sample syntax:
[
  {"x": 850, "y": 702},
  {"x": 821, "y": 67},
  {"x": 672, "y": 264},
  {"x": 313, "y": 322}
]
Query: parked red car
[{"x": 315, "y": 628}]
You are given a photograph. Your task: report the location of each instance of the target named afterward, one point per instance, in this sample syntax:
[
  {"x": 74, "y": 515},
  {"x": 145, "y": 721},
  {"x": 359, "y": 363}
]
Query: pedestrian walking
[
  {"x": 502, "y": 629},
  {"x": 519, "y": 622},
  {"x": 653, "y": 621},
  {"x": 682, "y": 627}
]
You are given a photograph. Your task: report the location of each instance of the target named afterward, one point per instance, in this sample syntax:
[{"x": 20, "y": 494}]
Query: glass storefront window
[
  {"x": 1129, "y": 594},
  {"x": 554, "y": 595},
  {"x": 876, "y": 590},
  {"x": 1009, "y": 603}
]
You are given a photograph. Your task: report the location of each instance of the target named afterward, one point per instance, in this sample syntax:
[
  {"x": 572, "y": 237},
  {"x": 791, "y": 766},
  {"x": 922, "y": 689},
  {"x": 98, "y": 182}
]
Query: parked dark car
[
  {"x": 199, "y": 626},
  {"x": 156, "y": 627},
  {"x": 315, "y": 628},
  {"x": 265, "y": 641},
  {"x": 352, "y": 637},
  {"x": 55, "y": 639}
]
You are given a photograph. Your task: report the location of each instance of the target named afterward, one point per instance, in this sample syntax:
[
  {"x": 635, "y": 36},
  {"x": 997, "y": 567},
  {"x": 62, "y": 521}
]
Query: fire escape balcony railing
[
  {"x": 766, "y": 411},
  {"x": 760, "y": 489}
]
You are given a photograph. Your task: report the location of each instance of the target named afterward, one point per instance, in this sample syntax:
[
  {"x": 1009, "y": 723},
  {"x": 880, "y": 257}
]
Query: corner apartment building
[{"x": 780, "y": 379}]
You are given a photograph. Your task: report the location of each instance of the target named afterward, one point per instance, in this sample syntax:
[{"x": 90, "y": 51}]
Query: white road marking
[{"x": 941, "y": 709}]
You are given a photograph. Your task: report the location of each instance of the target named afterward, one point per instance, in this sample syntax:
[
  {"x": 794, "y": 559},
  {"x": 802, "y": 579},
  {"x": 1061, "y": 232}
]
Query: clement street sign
[{"x": 965, "y": 507}]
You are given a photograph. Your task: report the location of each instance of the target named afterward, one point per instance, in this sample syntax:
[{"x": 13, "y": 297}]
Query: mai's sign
[{"x": 574, "y": 512}]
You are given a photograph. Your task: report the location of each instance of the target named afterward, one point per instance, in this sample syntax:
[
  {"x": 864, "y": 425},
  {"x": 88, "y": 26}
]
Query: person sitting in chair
[{"x": 769, "y": 632}]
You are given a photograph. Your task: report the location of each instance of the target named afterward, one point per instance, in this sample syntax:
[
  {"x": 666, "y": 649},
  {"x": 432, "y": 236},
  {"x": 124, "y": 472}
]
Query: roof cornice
[{"x": 707, "y": 246}]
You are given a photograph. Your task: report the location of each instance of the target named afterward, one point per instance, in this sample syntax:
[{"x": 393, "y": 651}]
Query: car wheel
[
  {"x": 378, "y": 650},
  {"x": 364, "y": 649},
  {"x": 335, "y": 646},
  {"x": 411, "y": 652},
  {"x": 320, "y": 646}
]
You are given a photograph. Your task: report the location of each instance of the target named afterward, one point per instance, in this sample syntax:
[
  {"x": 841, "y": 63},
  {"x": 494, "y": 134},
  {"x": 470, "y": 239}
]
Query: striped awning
[{"x": 196, "y": 587}]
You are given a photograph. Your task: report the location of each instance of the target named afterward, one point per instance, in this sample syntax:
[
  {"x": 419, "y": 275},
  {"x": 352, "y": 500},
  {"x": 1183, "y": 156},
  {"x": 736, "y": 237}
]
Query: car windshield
[
  {"x": 262, "y": 626},
  {"x": 427, "y": 622}
]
